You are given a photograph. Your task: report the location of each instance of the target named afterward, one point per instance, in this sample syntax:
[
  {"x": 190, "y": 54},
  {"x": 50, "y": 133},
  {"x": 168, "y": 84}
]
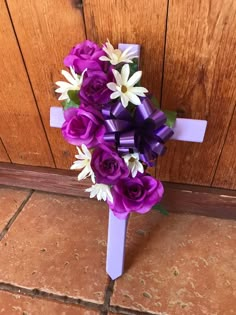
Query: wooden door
[
  {"x": 188, "y": 61},
  {"x": 199, "y": 82},
  {"x": 225, "y": 175},
  {"x": 23, "y": 137},
  {"x": 46, "y": 30}
]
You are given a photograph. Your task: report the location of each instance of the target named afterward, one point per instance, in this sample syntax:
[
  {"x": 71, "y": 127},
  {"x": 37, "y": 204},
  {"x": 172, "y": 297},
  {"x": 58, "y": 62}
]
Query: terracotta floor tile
[
  {"x": 58, "y": 244},
  {"x": 10, "y": 200},
  {"x": 181, "y": 264},
  {"x": 14, "y": 304}
]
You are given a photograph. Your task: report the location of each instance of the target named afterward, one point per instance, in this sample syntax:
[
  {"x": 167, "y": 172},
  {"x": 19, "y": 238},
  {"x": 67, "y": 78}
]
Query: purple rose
[
  {"x": 83, "y": 125},
  {"x": 94, "y": 90},
  {"x": 137, "y": 194},
  {"x": 107, "y": 165},
  {"x": 85, "y": 55}
]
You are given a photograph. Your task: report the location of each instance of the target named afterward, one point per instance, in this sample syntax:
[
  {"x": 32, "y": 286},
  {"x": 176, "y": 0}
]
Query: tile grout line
[
  {"x": 107, "y": 297},
  {"x": 40, "y": 294},
  {"x": 14, "y": 217},
  {"x": 36, "y": 293},
  {"x": 115, "y": 308},
  {"x": 126, "y": 311}
]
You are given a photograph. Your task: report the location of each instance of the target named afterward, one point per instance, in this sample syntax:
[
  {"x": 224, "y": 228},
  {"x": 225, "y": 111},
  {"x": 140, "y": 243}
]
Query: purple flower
[
  {"x": 83, "y": 125},
  {"x": 137, "y": 194},
  {"x": 85, "y": 55},
  {"x": 94, "y": 90},
  {"x": 107, "y": 165}
]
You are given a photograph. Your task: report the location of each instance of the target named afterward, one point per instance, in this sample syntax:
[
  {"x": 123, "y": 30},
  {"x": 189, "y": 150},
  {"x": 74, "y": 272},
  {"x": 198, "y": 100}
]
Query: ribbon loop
[
  {"x": 164, "y": 133},
  {"x": 144, "y": 110},
  {"x": 118, "y": 111},
  {"x": 158, "y": 148},
  {"x": 110, "y": 137},
  {"x": 123, "y": 150},
  {"x": 113, "y": 125},
  {"x": 127, "y": 139},
  {"x": 145, "y": 132},
  {"x": 158, "y": 117}
]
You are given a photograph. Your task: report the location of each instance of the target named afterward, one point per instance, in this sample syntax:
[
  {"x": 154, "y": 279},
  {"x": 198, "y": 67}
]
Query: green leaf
[
  {"x": 73, "y": 95},
  {"x": 155, "y": 102},
  {"x": 131, "y": 108},
  {"x": 68, "y": 104},
  {"x": 133, "y": 67},
  {"x": 135, "y": 60},
  {"x": 171, "y": 117},
  {"x": 72, "y": 101},
  {"x": 160, "y": 208}
]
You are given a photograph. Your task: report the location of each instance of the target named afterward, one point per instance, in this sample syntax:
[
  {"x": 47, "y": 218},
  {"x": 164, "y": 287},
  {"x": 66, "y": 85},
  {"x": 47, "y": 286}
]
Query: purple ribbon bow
[{"x": 144, "y": 132}]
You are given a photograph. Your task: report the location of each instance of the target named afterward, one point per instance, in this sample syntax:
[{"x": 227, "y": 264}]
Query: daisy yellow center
[
  {"x": 132, "y": 160},
  {"x": 124, "y": 89}
]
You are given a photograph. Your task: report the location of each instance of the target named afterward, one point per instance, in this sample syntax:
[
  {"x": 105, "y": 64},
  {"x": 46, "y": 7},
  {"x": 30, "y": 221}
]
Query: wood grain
[
  {"x": 199, "y": 82},
  {"x": 178, "y": 198},
  {"x": 21, "y": 129},
  {"x": 47, "y": 30},
  {"x": 226, "y": 171},
  {"x": 126, "y": 21},
  {"x": 3, "y": 154},
  {"x": 207, "y": 201}
]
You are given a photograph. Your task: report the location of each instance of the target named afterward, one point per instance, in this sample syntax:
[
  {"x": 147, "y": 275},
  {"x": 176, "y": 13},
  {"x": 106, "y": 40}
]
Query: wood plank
[
  {"x": 43, "y": 178},
  {"x": 226, "y": 171},
  {"x": 124, "y": 21},
  {"x": 47, "y": 30},
  {"x": 3, "y": 153},
  {"x": 21, "y": 128},
  {"x": 207, "y": 201},
  {"x": 199, "y": 81},
  {"x": 178, "y": 198}
]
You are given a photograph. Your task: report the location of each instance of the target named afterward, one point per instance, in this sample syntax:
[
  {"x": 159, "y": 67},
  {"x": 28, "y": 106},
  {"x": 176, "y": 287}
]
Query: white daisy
[
  {"x": 124, "y": 86},
  {"x": 101, "y": 191},
  {"x": 133, "y": 163},
  {"x": 116, "y": 56},
  {"x": 75, "y": 82},
  {"x": 84, "y": 162}
]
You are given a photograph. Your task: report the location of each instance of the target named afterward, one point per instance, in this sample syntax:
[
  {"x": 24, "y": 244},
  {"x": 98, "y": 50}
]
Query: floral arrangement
[{"x": 116, "y": 125}]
